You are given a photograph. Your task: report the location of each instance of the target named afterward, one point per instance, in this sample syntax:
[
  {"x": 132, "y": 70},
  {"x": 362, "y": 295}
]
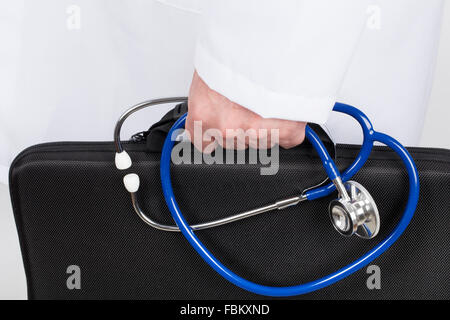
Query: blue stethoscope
[{"x": 353, "y": 212}]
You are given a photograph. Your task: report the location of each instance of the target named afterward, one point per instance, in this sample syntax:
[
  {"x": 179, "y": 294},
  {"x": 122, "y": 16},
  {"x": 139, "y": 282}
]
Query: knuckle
[
  {"x": 294, "y": 140},
  {"x": 299, "y": 137}
]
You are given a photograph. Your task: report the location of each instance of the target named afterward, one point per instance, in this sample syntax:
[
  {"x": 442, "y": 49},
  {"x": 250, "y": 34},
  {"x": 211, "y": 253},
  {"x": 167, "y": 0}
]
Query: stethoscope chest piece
[{"x": 355, "y": 212}]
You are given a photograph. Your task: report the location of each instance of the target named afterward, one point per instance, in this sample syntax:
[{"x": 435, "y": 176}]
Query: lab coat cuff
[{"x": 265, "y": 102}]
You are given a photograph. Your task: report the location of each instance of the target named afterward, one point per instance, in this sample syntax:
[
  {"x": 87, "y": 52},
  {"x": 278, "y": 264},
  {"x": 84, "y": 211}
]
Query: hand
[{"x": 217, "y": 112}]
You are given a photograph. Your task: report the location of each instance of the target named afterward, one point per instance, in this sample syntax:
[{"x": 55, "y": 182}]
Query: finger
[
  {"x": 292, "y": 134},
  {"x": 267, "y": 133},
  {"x": 235, "y": 139},
  {"x": 287, "y": 134},
  {"x": 201, "y": 140},
  {"x": 267, "y": 138}
]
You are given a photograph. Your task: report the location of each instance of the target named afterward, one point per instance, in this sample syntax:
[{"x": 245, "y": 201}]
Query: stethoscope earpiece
[
  {"x": 122, "y": 160},
  {"x": 355, "y": 213},
  {"x": 131, "y": 182}
]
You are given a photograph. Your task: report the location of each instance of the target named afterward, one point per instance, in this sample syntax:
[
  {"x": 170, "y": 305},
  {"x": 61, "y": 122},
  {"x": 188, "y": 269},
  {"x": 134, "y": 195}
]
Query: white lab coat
[{"x": 69, "y": 70}]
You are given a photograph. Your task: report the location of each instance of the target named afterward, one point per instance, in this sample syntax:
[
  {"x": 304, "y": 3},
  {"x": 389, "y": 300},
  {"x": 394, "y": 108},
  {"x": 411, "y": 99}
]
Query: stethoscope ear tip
[
  {"x": 122, "y": 160},
  {"x": 131, "y": 182},
  {"x": 358, "y": 214}
]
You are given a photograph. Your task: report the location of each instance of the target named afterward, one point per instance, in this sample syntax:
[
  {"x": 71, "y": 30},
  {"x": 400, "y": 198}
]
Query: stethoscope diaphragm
[{"x": 355, "y": 214}]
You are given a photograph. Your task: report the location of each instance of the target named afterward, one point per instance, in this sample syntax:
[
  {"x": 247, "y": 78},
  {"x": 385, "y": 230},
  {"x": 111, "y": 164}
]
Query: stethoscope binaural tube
[{"x": 369, "y": 137}]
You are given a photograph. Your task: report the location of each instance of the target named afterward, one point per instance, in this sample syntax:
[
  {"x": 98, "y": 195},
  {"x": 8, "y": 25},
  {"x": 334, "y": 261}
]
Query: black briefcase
[{"x": 81, "y": 239}]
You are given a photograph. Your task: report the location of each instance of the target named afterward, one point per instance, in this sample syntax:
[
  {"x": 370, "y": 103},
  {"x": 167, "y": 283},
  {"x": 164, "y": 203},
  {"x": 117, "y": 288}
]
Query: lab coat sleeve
[{"x": 280, "y": 59}]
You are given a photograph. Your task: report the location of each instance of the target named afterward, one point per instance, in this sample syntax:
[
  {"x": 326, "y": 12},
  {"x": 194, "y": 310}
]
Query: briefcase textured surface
[{"x": 71, "y": 209}]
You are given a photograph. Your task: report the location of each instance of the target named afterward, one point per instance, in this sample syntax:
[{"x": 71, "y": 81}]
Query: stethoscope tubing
[
  {"x": 361, "y": 158},
  {"x": 369, "y": 137}
]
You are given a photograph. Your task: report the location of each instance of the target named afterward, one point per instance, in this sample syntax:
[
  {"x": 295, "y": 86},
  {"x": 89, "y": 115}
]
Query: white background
[{"x": 436, "y": 134}]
